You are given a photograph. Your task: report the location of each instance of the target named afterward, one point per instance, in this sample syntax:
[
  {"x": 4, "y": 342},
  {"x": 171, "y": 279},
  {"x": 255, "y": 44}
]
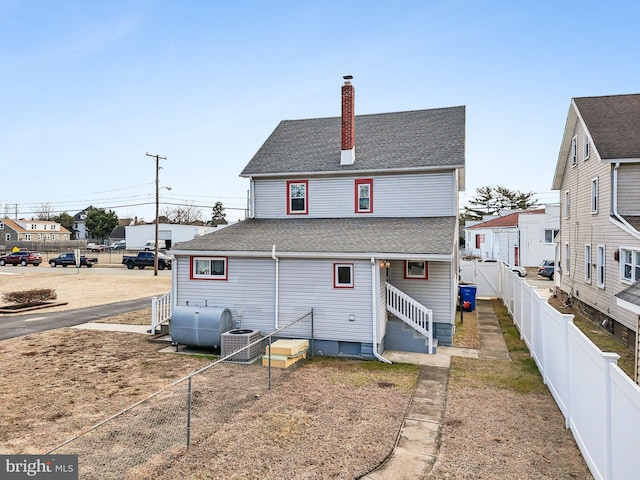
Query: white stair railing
[
  {"x": 411, "y": 312},
  {"x": 160, "y": 311}
]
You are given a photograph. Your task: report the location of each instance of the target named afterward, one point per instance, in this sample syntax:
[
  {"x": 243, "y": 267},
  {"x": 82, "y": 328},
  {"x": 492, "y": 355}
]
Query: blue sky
[{"x": 89, "y": 87}]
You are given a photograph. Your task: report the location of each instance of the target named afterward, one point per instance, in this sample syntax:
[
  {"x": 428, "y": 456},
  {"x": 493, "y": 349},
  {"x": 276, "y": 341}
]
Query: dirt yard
[{"x": 323, "y": 419}]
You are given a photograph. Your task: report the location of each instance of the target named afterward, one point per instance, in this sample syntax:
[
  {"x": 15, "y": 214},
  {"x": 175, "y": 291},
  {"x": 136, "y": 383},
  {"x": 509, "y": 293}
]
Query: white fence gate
[
  {"x": 485, "y": 275},
  {"x": 600, "y": 403}
]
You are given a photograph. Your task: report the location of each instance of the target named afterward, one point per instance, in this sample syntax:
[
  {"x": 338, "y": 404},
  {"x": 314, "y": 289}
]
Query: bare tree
[
  {"x": 44, "y": 211},
  {"x": 184, "y": 214}
]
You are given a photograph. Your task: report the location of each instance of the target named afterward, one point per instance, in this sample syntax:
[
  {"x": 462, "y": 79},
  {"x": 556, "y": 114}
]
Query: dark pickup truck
[
  {"x": 69, "y": 258},
  {"x": 146, "y": 259}
]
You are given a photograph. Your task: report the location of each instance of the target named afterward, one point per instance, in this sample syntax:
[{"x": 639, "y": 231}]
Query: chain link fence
[{"x": 147, "y": 436}]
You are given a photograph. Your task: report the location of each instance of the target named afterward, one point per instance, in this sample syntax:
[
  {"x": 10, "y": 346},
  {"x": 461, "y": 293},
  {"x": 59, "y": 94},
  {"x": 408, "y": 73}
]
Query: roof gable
[
  {"x": 419, "y": 139},
  {"x": 506, "y": 221}
]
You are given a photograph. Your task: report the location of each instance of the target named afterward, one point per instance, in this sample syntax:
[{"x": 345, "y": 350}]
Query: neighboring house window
[
  {"x": 34, "y": 226},
  {"x": 573, "y": 155},
  {"x": 209, "y": 268},
  {"x": 416, "y": 269},
  {"x": 479, "y": 240},
  {"x": 594, "y": 195},
  {"x": 1, "y": 226},
  {"x": 567, "y": 264},
  {"x": 7, "y": 237},
  {"x": 587, "y": 146},
  {"x": 39, "y": 236},
  {"x": 27, "y": 237},
  {"x": 587, "y": 263},
  {"x": 630, "y": 264},
  {"x": 364, "y": 195},
  {"x": 600, "y": 266},
  {"x": 550, "y": 234},
  {"x": 567, "y": 204},
  {"x": 343, "y": 275},
  {"x": 47, "y": 236},
  {"x": 297, "y": 196}
]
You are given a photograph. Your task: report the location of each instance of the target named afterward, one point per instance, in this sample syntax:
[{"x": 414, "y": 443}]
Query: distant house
[
  {"x": 44, "y": 231},
  {"x": 524, "y": 238},
  {"x": 598, "y": 176},
  {"x": 79, "y": 227},
  {"x": 350, "y": 216}
]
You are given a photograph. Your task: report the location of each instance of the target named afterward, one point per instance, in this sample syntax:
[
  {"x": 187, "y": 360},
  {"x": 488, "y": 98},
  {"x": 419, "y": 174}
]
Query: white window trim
[
  {"x": 290, "y": 210},
  {"x": 635, "y": 255},
  {"x": 601, "y": 272},
  {"x": 567, "y": 261},
  {"x": 567, "y": 204},
  {"x": 554, "y": 233},
  {"x": 208, "y": 275},
  {"x": 573, "y": 153},
  {"x": 409, "y": 276},
  {"x": 595, "y": 196},
  {"x": 336, "y": 277},
  {"x": 587, "y": 146},
  {"x": 587, "y": 263}
]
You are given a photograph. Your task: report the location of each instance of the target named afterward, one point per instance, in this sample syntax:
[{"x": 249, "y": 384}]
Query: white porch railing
[
  {"x": 411, "y": 312},
  {"x": 160, "y": 311}
]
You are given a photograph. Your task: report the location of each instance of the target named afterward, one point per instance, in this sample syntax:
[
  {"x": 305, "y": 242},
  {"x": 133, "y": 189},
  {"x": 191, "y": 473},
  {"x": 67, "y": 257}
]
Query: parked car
[
  {"x": 23, "y": 257},
  {"x": 146, "y": 259},
  {"x": 69, "y": 258},
  {"x": 119, "y": 245},
  {"x": 92, "y": 247},
  {"x": 520, "y": 271},
  {"x": 546, "y": 269}
]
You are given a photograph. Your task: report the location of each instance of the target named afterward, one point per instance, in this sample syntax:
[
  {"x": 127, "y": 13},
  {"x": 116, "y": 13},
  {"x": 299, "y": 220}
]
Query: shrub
[{"x": 30, "y": 297}]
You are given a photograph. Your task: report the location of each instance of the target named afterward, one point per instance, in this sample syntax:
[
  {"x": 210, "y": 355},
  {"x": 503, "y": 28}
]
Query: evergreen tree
[
  {"x": 100, "y": 223},
  {"x": 66, "y": 221},
  {"x": 218, "y": 215},
  {"x": 491, "y": 200}
]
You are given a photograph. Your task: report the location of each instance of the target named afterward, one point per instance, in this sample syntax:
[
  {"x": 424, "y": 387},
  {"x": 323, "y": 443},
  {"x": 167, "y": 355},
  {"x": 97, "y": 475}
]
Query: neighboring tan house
[
  {"x": 347, "y": 215},
  {"x": 598, "y": 176},
  {"x": 41, "y": 231},
  {"x": 524, "y": 238}
]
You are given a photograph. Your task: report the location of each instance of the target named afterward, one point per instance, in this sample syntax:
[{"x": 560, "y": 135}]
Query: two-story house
[
  {"x": 14, "y": 231},
  {"x": 353, "y": 217},
  {"x": 79, "y": 226},
  {"x": 598, "y": 176}
]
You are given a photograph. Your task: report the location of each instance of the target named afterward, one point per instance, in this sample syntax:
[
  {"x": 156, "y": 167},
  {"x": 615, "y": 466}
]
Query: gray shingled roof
[
  {"x": 630, "y": 294},
  {"x": 614, "y": 124},
  {"x": 419, "y": 139},
  {"x": 406, "y": 236}
]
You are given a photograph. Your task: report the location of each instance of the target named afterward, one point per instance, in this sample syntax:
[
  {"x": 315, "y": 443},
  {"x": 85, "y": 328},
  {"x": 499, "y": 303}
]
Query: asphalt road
[{"x": 12, "y": 326}]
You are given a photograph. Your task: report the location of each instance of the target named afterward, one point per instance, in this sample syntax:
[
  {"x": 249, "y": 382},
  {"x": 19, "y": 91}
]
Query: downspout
[
  {"x": 375, "y": 297},
  {"x": 277, "y": 301}
]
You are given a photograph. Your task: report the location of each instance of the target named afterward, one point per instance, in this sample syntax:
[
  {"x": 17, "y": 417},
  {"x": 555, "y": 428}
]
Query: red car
[{"x": 23, "y": 258}]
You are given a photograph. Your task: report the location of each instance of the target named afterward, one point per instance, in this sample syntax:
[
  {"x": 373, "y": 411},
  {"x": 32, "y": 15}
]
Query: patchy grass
[{"x": 466, "y": 334}]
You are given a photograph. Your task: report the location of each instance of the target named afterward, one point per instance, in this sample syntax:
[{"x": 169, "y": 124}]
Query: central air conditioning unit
[{"x": 234, "y": 340}]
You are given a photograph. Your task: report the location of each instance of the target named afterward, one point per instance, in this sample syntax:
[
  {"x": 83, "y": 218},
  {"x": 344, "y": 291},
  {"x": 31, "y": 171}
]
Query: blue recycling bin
[{"x": 468, "y": 294}]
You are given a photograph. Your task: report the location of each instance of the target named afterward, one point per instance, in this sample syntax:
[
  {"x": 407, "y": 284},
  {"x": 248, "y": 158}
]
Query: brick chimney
[{"x": 348, "y": 132}]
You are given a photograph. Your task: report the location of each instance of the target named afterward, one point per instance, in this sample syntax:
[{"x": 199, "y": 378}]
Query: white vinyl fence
[{"x": 600, "y": 403}]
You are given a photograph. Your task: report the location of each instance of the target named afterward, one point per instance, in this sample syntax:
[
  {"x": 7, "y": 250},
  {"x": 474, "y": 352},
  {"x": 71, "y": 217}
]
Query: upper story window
[
  {"x": 364, "y": 195},
  {"x": 297, "y": 197},
  {"x": 573, "y": 154},
  {"x": 1, "y": 226},
  {"x": 209, "y": 268},
  {"x": 550, "y": 234},
  {"x": 594, "y": 195},
  {"x": 587, "y": 146},
  {"x": 34, "y": 226},
  {"x": 567, "y": 204},
  {"x": 343, "y": 275},
  {"x": 416, "y": 269},
  {"x": 7, "y": 237}
]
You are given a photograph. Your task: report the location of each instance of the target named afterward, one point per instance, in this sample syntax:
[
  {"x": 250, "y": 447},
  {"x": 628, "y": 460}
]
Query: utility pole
[{"x": 155, "y": 260}]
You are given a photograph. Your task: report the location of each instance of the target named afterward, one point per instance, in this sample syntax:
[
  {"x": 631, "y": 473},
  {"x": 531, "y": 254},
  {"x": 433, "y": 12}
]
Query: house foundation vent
[{"x": 236, "y": 339}]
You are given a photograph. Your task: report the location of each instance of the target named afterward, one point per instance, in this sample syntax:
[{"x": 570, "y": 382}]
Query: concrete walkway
[{"x": 419, "y": 439}]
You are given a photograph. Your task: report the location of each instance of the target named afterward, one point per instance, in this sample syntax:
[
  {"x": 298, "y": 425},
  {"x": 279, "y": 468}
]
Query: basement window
[
  {"x": 416, "y": 269},
  {"x": 209, "y": 268},
  {"x": 343, "y": 275}
]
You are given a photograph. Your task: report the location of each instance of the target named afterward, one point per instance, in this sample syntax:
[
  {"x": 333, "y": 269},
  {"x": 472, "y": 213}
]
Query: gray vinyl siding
[
  {"x": 583, "y": 227},
  {"x": 332, "y": 307},
  {"x": 629, "y": 189},
  {"x": 434, "y": 293},
  {"x": 249, "y": 293},
  {"x": 423, "y": 195}
]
